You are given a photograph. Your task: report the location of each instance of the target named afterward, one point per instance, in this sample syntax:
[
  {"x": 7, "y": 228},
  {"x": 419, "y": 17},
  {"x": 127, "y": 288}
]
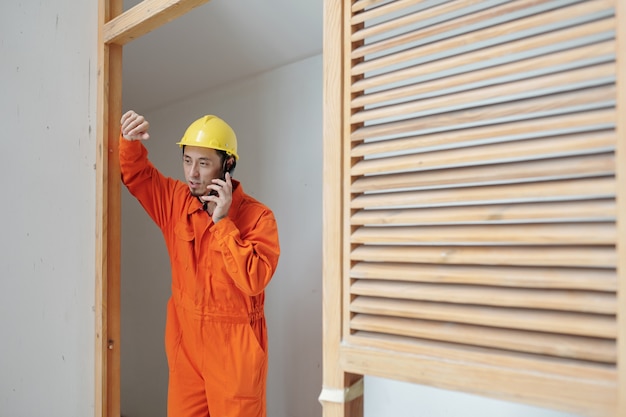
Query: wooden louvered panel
[
  {"x": 566, "y": 346},
  {"x": 502, "y": 276},
  {"x": 559, "y": 322},
  {"x": 479, "y": 193},
  {"x": 583, "y": 189},
  {"x": 583, "y": 257},
  {"x": 506, "y": 132},
  {"x": 567, "y": 300}
]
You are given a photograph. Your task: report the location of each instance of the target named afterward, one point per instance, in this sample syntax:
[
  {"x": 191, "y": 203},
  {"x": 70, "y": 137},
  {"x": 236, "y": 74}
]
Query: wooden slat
[
  {"x": 546, "y": 147},
  {"x": 359, "y": 5},
  {"x": 516, "y": 130},
  {"x": 538, "y": 46},
  {"x": 518, "y": 277},
  {"x": 580, "y": 348},
  {"x": 455, "y": 353},
  {"x": 544, "y": 170},
  {"x": 590, "y": 325},
  {"x": 566, "y": 300},
  {"x": 428, "y": 122},
  {"x": 578, "y": 79},
  {"x": 508, "y": 234},
  {"x": 584, "y": 189},
  {"x": 509, "y": 376},
  {"x": 385, "y": 9},
  {"x": 581, "y": 211},
  {"x": 505, "y": 33},
  {"x": 518, "y": 70},
  {"x": 145, "y": 17},
  {"x": 584, "y": 257}
]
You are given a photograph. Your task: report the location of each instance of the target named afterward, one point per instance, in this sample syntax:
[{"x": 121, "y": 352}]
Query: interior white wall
[
  {"x": 47, "y": 182},
  {"x": 384, "y": 397}
]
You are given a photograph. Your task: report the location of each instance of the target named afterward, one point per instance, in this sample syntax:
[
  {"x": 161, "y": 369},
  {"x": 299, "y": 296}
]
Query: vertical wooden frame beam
[
  {"x": 108, "y": 217},
  {"x": 334, "y": 378},
  {"x": 332, "y": 241},
  {"x": 620, "y": 168},
  {"x": 115, "y": 29}
]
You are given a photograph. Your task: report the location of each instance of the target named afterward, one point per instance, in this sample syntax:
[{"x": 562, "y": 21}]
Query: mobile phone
[{"x": 223, "y": 178}]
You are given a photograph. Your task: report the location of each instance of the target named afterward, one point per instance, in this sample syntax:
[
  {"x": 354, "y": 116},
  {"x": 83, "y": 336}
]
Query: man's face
[{"x": 201, "y": 165}]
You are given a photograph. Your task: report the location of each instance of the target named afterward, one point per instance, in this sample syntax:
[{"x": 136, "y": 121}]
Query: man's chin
[{"x": 195, "y": 192}]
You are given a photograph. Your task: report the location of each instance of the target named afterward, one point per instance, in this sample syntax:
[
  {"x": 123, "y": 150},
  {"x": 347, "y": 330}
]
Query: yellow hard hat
[{"x": 211, "y": 132}]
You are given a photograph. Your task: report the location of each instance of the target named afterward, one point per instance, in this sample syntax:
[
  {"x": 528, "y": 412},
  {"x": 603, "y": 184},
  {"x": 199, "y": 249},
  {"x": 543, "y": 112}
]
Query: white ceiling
[{"x": 217, "y": 43}]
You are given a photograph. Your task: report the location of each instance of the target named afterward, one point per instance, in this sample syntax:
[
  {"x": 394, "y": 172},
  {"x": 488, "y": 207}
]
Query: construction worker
[{"x": 223, "y": 249}]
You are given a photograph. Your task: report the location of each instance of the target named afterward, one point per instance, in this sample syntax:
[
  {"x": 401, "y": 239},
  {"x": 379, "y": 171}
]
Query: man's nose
[{"x": 194, "y": 170}]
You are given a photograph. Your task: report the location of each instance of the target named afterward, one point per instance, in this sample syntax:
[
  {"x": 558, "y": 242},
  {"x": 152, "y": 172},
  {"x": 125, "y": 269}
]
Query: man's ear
[{"x": 229, "y": 164}]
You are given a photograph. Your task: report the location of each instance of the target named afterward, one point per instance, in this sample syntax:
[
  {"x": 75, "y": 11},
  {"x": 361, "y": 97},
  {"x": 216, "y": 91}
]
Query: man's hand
[
  {"x": 134, "y": 126},
  {"x": 222, "y": 201}
]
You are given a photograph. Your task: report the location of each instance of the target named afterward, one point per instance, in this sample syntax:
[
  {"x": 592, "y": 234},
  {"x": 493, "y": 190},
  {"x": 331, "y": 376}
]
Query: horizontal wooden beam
[{"x": 145, "y": 17}]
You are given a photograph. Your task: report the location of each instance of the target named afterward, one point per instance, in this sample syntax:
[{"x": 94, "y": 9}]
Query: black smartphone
[{"x": 223, "y": 178}]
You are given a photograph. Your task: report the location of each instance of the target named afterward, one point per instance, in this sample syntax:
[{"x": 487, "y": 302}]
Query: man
[{"x": 223, "y": 249}]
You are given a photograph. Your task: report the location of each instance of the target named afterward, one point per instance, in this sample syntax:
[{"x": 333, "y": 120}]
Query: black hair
[{"x": 224, "y": 157}]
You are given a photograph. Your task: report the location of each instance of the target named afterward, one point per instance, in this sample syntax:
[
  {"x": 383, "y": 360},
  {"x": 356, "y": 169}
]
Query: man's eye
[{"x": 203, "y": 164}]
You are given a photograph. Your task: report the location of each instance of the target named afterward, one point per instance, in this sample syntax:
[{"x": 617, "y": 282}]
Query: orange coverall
[{"x": 215, "y": 333}]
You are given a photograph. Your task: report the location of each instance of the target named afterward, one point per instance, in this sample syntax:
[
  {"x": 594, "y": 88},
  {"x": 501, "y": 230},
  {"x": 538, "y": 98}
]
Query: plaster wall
[{"x": 47, "y": 194}]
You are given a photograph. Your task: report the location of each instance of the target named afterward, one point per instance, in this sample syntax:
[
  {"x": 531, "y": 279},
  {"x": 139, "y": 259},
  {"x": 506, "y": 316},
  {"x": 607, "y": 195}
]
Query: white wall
[
  {"x": 384, "y": 397},
  {"x": 47, "y": 193}
]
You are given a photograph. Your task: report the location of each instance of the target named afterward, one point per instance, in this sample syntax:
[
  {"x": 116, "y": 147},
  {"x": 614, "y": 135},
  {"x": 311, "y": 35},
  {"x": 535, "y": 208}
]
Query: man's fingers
[{"x": 134, "y": 126}]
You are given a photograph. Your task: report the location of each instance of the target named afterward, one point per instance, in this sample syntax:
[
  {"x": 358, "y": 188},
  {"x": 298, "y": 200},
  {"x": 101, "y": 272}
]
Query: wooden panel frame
[
  {"x": 114, "y": 30},
  {"x": 345, "y": 361}
]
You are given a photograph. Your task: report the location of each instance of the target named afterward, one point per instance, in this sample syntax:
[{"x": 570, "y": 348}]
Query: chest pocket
[{"x": 184, "y": 244}]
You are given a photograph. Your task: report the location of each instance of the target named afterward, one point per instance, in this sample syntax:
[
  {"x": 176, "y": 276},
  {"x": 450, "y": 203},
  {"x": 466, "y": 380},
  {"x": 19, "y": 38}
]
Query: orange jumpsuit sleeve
[
  {"x": 250, "y": 260},
  {"x": 152, "y": 189}
]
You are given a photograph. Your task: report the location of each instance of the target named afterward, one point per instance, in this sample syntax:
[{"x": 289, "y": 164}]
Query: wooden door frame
[{"x": 115, "y": 29}]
